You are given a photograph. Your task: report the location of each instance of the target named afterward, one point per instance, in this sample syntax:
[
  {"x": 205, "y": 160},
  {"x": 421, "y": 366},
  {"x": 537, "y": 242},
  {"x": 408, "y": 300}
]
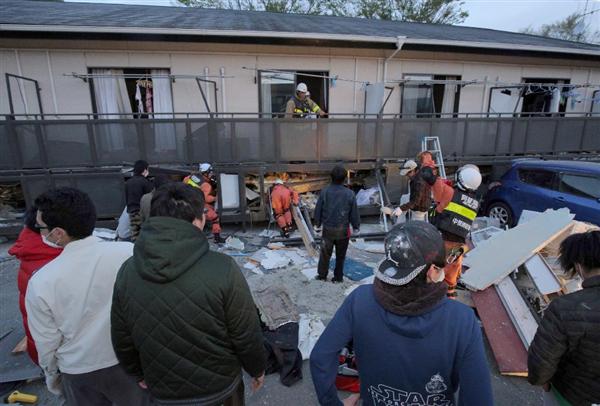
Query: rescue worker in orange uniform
[
  {"x": 207, "y": 183},
  {"x": 456, "y": 208},
  {"x": 282, "y": 198}
]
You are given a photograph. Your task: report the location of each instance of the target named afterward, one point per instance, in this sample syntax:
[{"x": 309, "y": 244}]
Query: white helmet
[
  {"x": 468, "y": 177},
  {"x": 278, "y": 181},
  {"x": 302, "y": 88},
  {"x": 205, "y": 167}
]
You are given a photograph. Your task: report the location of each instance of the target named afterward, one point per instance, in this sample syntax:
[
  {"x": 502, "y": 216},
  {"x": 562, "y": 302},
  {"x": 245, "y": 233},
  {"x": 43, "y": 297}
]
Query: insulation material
[
  {"x": 274, "y": 260},
  {"x": 234, "y": 243},
  {"x": 310, "y": 329},
  {"x": 493, "y": 260},
  {"x": 230, "y": 191},
  {"x": 275, "y": 306}
]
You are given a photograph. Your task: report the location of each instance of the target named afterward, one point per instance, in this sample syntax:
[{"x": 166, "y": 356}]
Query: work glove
[
  {"x": 397, "y": 212},
  {"x": 54, "y": 383},
  {"x": 387, "y": 210}
]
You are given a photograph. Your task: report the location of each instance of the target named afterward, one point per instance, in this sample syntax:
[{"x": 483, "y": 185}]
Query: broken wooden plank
[
  {"x": 494, "y": 259},
  {"x": 542, "y": 276},
  {"x": 517, "y": 309},
  {"x": 307, "y": 238},
  {"x": 506, "y": 345}
]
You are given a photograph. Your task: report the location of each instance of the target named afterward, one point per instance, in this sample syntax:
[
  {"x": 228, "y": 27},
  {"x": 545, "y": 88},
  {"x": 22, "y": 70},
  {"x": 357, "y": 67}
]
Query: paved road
[{"x": 507, "y": 390}]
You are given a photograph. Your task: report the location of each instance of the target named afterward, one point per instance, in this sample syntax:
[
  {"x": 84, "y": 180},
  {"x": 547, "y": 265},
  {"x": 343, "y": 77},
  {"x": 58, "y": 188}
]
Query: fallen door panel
[{"x": 508, "y": 349}]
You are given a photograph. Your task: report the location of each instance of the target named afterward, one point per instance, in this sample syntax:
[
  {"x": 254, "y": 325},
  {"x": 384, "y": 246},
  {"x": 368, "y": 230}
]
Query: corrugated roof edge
[{"x": 590, "y": 49}]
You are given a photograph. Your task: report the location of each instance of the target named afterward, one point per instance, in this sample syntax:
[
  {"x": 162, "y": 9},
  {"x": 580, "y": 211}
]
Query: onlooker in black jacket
[
  {"x": 135, "y": 188},
  {"x": 564, "y": 354},
  {"x": 336, "y": 209}
]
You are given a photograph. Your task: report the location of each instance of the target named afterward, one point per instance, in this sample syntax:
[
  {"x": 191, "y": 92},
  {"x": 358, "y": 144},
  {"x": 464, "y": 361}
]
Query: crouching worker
[
  {"x": 282, "y": 198},
  {"x": 183, "y": 320},
  {"x": 413, "y": 345}
]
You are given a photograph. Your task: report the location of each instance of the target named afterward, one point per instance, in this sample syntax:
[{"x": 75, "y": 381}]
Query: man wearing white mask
[{"x": 68, "y": 302}]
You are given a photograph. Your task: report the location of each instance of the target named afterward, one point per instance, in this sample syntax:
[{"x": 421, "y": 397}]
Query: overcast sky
[{"x": 509, "y": 15}]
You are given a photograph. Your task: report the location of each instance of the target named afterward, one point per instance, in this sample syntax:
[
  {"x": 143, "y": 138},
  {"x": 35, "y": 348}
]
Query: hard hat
[
  {"x": 410, "y": 248},
  {"x": 468, "y": 177},
  {"x": 278, "y": 181},
  {"x": 205, "y": 167},
  {"x": 407, "y": 167},
  {"x": 302, "y": 88}
]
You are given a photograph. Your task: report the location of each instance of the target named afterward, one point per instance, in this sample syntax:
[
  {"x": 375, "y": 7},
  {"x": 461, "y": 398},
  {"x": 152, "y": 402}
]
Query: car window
[
  {"x": 538, "y": 177},
  {"x": 578, "y": 185}
]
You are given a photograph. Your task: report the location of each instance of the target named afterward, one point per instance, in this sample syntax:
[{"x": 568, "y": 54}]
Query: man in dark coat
[
  {"x": 564, "y": 356},
  {"x": 183, "y": 319},
  {"x": 135, "y": 188},
  {"x": 336, "y": 209}
]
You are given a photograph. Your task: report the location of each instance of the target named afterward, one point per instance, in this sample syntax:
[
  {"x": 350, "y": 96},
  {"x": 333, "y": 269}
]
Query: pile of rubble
[{"x": 512, "y": 277}]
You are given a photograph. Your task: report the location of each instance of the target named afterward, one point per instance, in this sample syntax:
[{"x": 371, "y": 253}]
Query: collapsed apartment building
[{"x": 90, "y": 88}]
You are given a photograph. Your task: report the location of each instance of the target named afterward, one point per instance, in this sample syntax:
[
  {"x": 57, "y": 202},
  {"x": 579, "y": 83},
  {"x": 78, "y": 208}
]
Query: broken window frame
[
  {"x": 38, "y": 90},
  {"x": 432, "y": 83},
  {"x": 528, "y": 83}
]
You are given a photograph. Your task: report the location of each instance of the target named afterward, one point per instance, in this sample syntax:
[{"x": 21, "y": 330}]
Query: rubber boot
[{"x": 218, "y": 239}]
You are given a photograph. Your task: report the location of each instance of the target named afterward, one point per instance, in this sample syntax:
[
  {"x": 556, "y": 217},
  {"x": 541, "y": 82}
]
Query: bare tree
[
  {"x": 426, "y": 11},
  {"x": 571, "y": 28}
]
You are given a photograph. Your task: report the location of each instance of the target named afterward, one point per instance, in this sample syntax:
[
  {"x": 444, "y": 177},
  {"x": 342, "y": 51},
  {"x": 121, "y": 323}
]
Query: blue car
[{"x": 537, "y": 185}]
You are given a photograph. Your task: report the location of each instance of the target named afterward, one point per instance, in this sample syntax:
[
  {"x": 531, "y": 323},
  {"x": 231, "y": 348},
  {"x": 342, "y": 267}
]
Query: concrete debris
[
  {"x": 234, "y": 243},
  {"x": 269, "y": 233},
  {"x": 374, "y": 247},
  {"x": 274, "y": 260},
  {"x": 275, "y": 306},
  {"x": 310, "y": 273},
  {"x": 484, "y": 222},
  {"x": 483, "y": 234},
  {"x": 366, "y": 197},
  {"x": 310, "y": 329},
  {"x": 309, "y": 200}
]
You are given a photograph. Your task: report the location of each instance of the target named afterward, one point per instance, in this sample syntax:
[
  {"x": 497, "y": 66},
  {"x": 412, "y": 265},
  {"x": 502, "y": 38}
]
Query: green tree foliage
[
  {"x": 571, "y": 28},
  {"x": 426, "y": 11}
]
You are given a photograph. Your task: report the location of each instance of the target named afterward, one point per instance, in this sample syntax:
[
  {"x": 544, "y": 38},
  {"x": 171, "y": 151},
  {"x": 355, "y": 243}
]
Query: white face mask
[
  {"x": 49, "y": 243},
  {"x": 440, "y": 277}
]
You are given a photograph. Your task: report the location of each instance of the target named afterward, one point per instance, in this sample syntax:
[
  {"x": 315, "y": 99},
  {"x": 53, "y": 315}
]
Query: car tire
[{"x": 502, "y": 212}]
